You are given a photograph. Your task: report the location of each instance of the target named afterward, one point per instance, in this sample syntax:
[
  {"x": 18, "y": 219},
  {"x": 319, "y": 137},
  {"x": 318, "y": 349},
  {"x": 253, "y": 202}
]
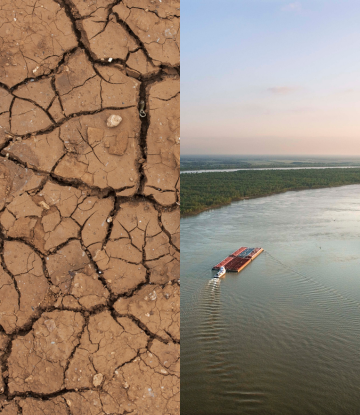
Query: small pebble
[
  {"x": 44, "y": 205},
  {"x": 153, "y": 296},
  {"x": 97, "y": 379},
  {"x": 113, "y": 121}
]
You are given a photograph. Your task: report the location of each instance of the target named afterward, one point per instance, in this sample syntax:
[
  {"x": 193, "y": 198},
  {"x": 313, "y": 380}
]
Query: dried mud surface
[{"x": 89, "y": 207}]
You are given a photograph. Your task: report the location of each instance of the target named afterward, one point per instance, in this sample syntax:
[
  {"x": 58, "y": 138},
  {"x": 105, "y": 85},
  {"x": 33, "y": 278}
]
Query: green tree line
[{"x": 201, "y": 191}]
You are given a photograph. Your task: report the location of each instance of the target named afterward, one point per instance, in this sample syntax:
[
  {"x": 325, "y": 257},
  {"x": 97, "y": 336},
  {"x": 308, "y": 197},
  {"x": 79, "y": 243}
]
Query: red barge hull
[{"x": 239, "y": 259}]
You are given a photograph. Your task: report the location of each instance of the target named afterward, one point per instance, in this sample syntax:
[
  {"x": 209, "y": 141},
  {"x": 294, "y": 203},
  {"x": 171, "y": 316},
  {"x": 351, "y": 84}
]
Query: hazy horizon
[
  {"x": 270, "y": 77},
  {"x": 309, "y": 156}
]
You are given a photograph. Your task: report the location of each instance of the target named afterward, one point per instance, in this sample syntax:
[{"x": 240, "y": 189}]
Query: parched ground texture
[{"x": 89, "y": 208}]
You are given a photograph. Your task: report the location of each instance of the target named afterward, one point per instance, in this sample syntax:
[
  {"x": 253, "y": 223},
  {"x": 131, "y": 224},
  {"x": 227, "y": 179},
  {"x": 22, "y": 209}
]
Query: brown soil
[{"x": 89, "y": 215}]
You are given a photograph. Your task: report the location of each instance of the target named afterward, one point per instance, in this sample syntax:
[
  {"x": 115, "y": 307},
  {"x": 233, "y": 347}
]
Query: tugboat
[{"x": 222, "y": 272}]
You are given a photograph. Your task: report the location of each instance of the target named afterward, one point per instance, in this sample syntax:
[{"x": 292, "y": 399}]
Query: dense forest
[
  {"x": 201, "y": 191},
  {"x": 250, "y": 162}
]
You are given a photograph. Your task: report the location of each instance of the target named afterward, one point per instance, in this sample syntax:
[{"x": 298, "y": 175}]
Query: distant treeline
[
  {"x": 224, "y": 163},
  {"x": 202, "y": 191},
  {"x": 211, "y": 164}
]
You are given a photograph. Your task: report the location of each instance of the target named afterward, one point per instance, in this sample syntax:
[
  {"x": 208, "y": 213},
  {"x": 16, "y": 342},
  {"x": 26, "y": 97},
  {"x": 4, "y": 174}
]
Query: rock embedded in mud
[
  {"x": 97, "y": 379},
  {"x": 113, "y": 121}
]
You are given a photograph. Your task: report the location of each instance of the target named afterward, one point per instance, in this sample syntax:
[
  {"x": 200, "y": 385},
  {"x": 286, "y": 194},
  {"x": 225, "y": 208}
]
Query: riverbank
[{"x": 214, "y": 190}]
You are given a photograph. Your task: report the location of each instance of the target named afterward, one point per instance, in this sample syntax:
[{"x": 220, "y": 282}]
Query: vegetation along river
[
  {"x": 267, "y": 168},
  {"x": 281, "y": 337}
]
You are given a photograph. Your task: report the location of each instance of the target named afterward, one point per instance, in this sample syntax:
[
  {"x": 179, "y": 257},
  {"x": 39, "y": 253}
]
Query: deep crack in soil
[{"x": 89, "y": 207}]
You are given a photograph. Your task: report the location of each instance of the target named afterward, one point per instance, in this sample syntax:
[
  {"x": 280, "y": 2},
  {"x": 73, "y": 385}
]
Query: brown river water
[{"x": 283, "y": 336}]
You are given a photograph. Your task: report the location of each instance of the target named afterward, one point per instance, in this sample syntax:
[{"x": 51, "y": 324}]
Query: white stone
[
  {"x": 113, "y": 121},
  {"x": 97, "y": 379}
]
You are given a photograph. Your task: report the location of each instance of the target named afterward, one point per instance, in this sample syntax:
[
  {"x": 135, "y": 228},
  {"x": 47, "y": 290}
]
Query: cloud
[
  {"x": 282, "y": 90},
  {"x": 292, "y": 7}
]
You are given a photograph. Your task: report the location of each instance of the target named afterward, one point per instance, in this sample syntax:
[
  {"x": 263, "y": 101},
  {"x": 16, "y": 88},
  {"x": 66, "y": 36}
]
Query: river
[
  {"x": 268, "y": 168},
  {"x": 281, "y": 337}
]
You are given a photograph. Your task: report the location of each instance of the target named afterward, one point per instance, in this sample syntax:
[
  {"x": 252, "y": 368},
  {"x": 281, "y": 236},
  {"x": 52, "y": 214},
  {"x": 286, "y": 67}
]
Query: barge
[{"x": 239, "y": 259}]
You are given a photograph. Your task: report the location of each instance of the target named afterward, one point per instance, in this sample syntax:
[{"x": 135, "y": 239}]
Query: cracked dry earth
[{"x": 89, "y": 215}]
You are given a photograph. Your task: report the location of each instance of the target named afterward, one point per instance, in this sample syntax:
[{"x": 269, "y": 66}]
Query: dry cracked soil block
[
  {"x": 157, "y": 25},
  {"x": 92, "y": 150},
  {"x": 23, "y": 288},
  {"x": 15, "y": 180},
  {"x": 163, "y": 142},
  {"x": 151, "y": 388},
  {"x": 35, "y": 34},
  {"x": 5, "y": 101},
  {"x": 137, "y": 243},
  {"x": 38, "y": 360},
  {"x": 84, "y": 87},
  {"x": 114, "y": 42},
  {"x": 41, "y": 152},
  {"x": 89, "y": 215},
  {"x": 98, "y": 352},
  {"x": 27, "y": 118},
  {"x": 54, "y": 406},
  {"x": 157, "y": 308},
  {"x": 43, "y": 220},
  {"x": 65, "y": 263}
]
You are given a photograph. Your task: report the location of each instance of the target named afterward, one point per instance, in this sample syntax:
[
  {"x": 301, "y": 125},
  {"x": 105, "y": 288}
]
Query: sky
[{"x": 270, "y": 77}]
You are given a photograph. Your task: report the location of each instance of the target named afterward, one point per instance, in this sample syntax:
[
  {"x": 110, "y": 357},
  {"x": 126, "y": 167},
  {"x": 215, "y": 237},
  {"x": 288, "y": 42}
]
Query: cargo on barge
[{"x": 239, "y": 259}]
